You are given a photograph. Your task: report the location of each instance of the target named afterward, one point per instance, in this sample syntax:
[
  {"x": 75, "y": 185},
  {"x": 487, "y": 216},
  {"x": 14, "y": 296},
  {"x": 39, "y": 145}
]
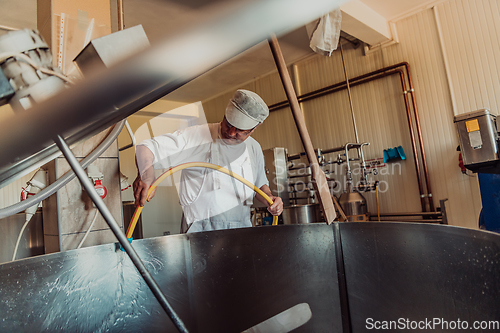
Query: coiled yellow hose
[{"x": 171, "y": 171}]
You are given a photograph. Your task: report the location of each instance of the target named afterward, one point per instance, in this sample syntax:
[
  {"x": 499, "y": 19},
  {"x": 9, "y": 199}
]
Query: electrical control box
[{"x": 479, "y": 141}]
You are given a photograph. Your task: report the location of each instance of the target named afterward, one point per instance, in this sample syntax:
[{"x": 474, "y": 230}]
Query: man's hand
[
  {"x": 277, "y": 207},
  {"x": 144, "y": 161},
  {"x": 141, "y": 189}
]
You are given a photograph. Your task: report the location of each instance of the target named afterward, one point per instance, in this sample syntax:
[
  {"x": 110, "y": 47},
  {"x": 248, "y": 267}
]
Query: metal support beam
[
  {"x": 106, "y": 214},
  {"x": 318, "y": 176}
]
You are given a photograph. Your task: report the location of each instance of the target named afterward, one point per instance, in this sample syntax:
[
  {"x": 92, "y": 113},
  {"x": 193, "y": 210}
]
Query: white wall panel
[
  {"x": 270, "y": 89},
  {"x": 420, "y": 47},
  {"x": 471, "y": 38},
  {"x": 11, "y": 194},
  {"x": 380, "y": 117},
  {"x": 381, "y": 120},
  {"x": 279, "y": 130}
]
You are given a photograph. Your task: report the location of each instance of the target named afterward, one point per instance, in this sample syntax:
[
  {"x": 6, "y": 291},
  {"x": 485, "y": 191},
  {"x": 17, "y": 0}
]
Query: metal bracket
[
  {"x": 443, "y": 211},
  {"x": 132, "y": 137}
]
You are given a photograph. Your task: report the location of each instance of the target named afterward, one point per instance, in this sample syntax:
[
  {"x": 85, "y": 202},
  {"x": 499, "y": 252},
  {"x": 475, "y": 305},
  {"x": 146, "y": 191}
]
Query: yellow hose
[{"x": 158, "y": 180}]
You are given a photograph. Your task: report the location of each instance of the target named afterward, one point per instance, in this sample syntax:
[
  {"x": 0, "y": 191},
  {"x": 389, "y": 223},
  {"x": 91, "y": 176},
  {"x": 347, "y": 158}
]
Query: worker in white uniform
[{"x": 210, "y": 199}]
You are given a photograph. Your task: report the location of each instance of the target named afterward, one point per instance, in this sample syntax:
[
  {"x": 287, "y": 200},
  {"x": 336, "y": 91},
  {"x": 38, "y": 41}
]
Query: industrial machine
[
  {"x": 479, "y": 141},
  {"x": 233, "y": 280},
  {"x": 352, "y": 201},
  {"x": 50, "y": 125},
  {"x": 303, "y": 207},
  {"x": 324, "y": 278},
  {"x": 292, "y": 183},
  {"x": 479, "y": 146},
  {"x": 26, "y": 65},
  {"x": 28, "y": 74}
]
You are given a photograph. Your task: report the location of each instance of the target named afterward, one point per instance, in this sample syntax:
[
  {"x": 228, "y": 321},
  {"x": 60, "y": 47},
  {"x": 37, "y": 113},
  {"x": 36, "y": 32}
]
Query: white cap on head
[{"x": 246, "y": 110}]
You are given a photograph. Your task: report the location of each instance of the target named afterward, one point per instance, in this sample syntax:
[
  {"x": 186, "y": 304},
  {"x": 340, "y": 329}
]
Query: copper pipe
[
  {"x": 438, "y": 221},
  {"x": 420, "y": 140},
  {"x": 367, "y": 78},
  {"x": 121, "y": 24},
  {"x": 413, "y": 145},
  {"x": 426, "y": 214},
  {"x": 332, "y": 88},
  {"x": 318, "y": 176},
  {"x": 415, "y": 110},
  {"x": 418, "y": 127}
]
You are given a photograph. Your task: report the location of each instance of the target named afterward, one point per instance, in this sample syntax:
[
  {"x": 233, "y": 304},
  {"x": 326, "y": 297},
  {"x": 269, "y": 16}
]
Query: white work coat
[{"x": 210, "y": 199}]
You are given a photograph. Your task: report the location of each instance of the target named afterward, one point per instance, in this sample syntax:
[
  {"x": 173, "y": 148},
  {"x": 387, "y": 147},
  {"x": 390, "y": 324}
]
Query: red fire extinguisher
[{"x": 461, "y": 164}]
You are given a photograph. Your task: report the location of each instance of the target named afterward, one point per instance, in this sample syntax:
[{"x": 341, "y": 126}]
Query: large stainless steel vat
[
  {"x": 299, "y": 214},
  {"x": 231, "y": 280}
]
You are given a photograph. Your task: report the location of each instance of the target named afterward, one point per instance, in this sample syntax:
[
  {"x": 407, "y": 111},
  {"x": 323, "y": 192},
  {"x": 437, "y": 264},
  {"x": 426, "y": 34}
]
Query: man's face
[{"x": 233, "y": 135}]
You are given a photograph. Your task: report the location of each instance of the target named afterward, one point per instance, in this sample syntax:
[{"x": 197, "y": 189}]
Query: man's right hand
[
  {"x": 141, "y": 188},
  {"x": 144, "y": 161}
]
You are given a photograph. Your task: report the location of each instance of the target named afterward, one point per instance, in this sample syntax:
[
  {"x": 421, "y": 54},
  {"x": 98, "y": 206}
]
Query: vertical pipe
[
  {"x": 413, "y": 144},
  {"x": 378, "y": 202},
  {"x": 450, "y": 86},
  {"x": 348, "y": 163},
  {"x": 296, "y": 79},
  {"x": 119, "y": 6},
  {"x": 420, "y": 141},
  {"x": 348, "y": 86},
  {"x": 318, "y": 176},
  {"x": 377, "y": 74},
  {"x": 445, "y": 61},
  {"x": 106, "y": 214},
  {"x": 363, "y": 162},
  {"x": 349, "y": 94}
]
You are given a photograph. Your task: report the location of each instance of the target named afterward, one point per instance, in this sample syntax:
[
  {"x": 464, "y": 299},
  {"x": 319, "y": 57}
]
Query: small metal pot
[{"x": 301, "y": 214}]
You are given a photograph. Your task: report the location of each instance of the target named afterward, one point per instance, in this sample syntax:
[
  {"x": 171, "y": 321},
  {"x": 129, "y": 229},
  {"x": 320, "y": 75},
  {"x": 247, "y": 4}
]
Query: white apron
[{"x": 221, "y": 202}]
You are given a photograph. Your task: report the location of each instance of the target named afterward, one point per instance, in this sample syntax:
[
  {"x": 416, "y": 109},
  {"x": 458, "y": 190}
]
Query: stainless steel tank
[
  {"x": 231, "y": 280},
  {"x": 354, "y": 205},
  {"x": 301, "y": 214}
]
